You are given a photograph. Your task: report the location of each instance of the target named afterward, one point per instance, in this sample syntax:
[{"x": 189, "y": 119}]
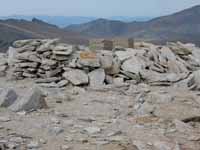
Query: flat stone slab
[
  {"x": 32, "y": 99},
  {"x": 76, "y": 77},
  {"x": 7, "y": 97},
  {"x": 97, "y": 77}
]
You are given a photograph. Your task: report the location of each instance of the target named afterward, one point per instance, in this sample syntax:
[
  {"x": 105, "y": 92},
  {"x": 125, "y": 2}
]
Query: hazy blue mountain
[
  {"x": 60, "y": 21},
  {"x": 63, "y": 21},
  {"x": 130, "y": 19}
]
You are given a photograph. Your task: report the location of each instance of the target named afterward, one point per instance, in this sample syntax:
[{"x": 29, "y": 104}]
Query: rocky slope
[{"x": 126, "y": 99}]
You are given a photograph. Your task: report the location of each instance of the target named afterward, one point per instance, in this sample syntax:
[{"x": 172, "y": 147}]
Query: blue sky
[{"x": 99, "y": 8}]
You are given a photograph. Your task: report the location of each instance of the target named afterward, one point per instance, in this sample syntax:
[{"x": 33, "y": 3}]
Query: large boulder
[
  {"x": 97, "y": 77},
  {"x": 32, "y": 99},
  {"x": 76, "y": 77},
  {"x": 110, "y": 64},
  {"x": 134, "y": 65},
  {"x": 88, "y": 59}
]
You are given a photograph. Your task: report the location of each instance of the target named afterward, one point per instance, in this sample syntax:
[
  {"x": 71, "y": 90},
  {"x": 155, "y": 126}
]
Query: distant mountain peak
[{"x": 38, "y": 21}]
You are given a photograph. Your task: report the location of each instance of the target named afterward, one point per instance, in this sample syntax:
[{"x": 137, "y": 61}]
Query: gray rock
[
  {"x": 48, "y": 85},
  {"x": 21, "y": 43},
  {"x": 76, "y": 77},
  {"x": 118, "y": 81},
  {"x": 62, "y": 83},
  {"x": 92, "y": 130},
  {"x": 33, "y": 145},
  {"x": 25, "y": 49},
  {"x": 3, "y": 70},
  {"x": 115, "y": 69},
  {"x": 155, "y": 78},
  {"x": 27, "y": 64},
  {"x": 133, "y": 65},
  {"x": 64, "y": 53},
  {"x": 32, "y": 99},
  {"x": 16, "y": 140},
  {"x": 29, "y": 75},
  {"x": 124, "y": 55},
  {"x": 7, "y": 97},
  {"x": 106, "y": 61},
  {"x": 62, "y": 47},
  {"x": 56, "y": 130},
  {"x": 88, "y": 59},
  {"x": 180, "y": 48},
  {"x": 194, "y": 82},
  {"x": 49, "y": 62},
  {"x": 28, "y": 56},
  {"x": 94, "y": 63},
  {"x": 4, "y": 119},
  {"x": 97, "y": 77},
  {"x": 47, "y": 46},
  {"x": 11, "y": 56},
  {"x": 48, "y": 80},
  {"x": 53, "y": 73},
  {"x": 65, "y": 147}
]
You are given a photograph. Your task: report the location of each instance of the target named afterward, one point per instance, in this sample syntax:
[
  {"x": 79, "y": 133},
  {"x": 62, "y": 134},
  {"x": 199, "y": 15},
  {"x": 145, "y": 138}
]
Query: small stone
[
  {"x": 55, "y": 120},
  {"x": 118, "y": 81},
  {"x": 16, "y": 140},
  {"x": 48, "y": 85},
  {"x": 62, "y": 83},
  {"x": 53, "y": 73},
  {"x": 12, "y": 145},
  {"x": 114, "y": 133},
  {"x": 64, "y": 53},
  {"x": 56, "y": 130},
  {"x": 68, "y": 139},
  {"x": 77, "y": 90},
  {"x": 43, "y": 141},
  {"x": 4, "y": 119},
  {"x": 117, "y": 138},
  {"x": 33, "y": 145},
  {"x": 48, "y": 80},
  {"x": 65, "y": 147},
  {"x": 92, "y": 130}
]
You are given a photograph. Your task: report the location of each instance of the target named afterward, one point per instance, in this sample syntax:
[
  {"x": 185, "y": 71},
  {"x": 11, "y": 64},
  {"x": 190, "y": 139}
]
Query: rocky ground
[{"x": 146, "y": 106}]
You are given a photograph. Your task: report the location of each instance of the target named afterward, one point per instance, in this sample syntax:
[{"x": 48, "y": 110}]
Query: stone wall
[{"x": 55, "y": 64}]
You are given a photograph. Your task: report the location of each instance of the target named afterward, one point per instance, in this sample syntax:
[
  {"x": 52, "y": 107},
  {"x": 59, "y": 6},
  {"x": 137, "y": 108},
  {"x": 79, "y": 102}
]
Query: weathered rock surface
[
  {"x": 97, "y": 77},
  {"x": 135, "y": 99},
  {"x": 7, "y": 97},
  {"x": 33, "y": 99},
  {"x": 76, "y": 77}
]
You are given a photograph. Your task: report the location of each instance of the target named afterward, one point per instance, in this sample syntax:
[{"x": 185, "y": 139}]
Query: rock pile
[
  {"x": 55, "y": 64},
  {"x": 38, "y": 58}
]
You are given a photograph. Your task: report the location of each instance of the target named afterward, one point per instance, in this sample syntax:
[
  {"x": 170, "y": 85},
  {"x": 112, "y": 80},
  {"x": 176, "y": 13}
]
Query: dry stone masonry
[{"x": 54, "y": 64}]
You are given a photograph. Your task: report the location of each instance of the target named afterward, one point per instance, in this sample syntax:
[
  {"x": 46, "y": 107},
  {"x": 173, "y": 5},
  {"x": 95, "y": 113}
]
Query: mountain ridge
[
  {"x": 183, "y": 26},
  {"x": 13, "y": 29}
]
